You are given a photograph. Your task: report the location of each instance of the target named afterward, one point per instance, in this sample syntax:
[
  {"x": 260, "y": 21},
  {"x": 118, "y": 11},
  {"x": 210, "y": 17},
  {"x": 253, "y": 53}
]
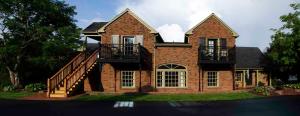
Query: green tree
[
  {"x": 35, "y": 33},
  {"x": 284, "y": 51}
]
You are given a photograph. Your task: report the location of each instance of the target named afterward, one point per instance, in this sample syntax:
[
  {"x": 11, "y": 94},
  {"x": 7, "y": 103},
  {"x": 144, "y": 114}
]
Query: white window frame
[
  {"x": 182, "y": 83},
  {"x": 133, "y": 79},
  {"x": 238, "y": 76},
  {"x": 217, "y": 83}
]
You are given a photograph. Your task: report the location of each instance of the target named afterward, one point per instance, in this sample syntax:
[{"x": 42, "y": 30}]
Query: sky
[{"x": 251, "y": 19}]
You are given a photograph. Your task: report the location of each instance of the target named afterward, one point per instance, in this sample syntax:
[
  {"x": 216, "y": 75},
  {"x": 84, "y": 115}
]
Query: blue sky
[{"x": 252, "y": 19}]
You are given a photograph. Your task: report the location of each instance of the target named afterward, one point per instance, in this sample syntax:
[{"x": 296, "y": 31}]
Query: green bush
[
  {"x": 8, "y": 88},
  {"x": 277, "y": 83},
  {"x": 35, "y": 87},
  {"x": 263, "y": 90},
  {"x": 293, "y": 86},
  {"x": 261, "y": 84},
  {"x": 4, "y": 80}
]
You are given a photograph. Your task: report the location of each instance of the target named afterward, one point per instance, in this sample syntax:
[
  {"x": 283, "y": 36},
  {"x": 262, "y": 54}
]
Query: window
[
  {"x": 212, "y": 79},
  {"x": 171, "y": 75},
  {"x": 212, "y": 47},
  {"x": 238, "y": 75},
  {"x": 128, "y": 44},
  {"x": 127, "y": 79}
]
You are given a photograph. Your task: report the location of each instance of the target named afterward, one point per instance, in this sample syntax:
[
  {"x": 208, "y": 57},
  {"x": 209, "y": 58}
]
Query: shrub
[
  {"x": 277, "y": 83},
  {"x": 8, "y": 88},
  {"x": 293, "y": 86},
  {"x": 261, "y": 84},
  {"x": 263, "y": 90},
  {"x": 35, "y": 87},
  {"x": 4, "y": 80}
]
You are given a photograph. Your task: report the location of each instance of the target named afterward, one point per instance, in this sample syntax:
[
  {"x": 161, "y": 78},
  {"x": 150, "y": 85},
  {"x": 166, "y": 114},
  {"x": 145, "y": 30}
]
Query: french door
[
  {"x": 212, "y": 48},
  {"x": 128, "y": 45}
]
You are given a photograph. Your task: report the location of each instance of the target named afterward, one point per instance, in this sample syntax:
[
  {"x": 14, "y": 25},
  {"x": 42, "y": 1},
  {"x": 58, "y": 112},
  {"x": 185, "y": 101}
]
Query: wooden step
[
  {"x": 59, "y": 91},
  {"x": 62, "y": 88},
  {"x": 58, "y": 95}
]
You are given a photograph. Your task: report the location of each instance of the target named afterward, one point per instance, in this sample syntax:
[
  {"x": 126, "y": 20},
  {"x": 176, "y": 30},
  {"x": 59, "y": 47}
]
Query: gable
[
  {"x": 127, "y": 11},
  {"x": 234, "y": 34}
]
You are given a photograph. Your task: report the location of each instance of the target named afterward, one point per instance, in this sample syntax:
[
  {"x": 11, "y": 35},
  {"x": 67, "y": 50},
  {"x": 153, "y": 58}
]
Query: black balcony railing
[
  {"x": 126, "y": 53},
  {"x": 216, "y": 55}
]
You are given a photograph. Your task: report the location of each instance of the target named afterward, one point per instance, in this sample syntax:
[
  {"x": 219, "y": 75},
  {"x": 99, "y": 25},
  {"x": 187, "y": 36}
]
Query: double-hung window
[
  {"x": 127, "y": 79},
  {"x": 212, "y": 79}
]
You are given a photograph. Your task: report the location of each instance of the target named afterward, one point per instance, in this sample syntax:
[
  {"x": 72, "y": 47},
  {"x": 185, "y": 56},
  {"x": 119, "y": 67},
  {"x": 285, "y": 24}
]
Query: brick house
[{"x": 131, "y": 56}]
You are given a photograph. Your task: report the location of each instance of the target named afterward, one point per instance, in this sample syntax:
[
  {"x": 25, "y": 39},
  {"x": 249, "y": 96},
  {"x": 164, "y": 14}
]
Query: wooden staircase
[{"x": 67, "y": 78}]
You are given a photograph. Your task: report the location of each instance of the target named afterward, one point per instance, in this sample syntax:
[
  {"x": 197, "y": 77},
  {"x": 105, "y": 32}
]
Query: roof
[
  {"x": 215, "y": 16},
  {"x": 173, "y": 44},
  {"x": 249, "y": 57},
  {"x": 102, "y": 29},
  {"x": 93, "y": 28}
]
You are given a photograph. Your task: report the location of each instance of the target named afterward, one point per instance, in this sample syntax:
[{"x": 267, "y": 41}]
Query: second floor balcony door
[
  {"x": 128, "y": 44},
  {"x": 212, "y": 48}
]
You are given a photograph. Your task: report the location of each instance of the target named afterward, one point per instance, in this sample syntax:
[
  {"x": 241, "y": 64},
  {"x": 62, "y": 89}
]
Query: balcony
[
  {"x": 216, "y": 55},
  {"x": 121, "y": 53}
]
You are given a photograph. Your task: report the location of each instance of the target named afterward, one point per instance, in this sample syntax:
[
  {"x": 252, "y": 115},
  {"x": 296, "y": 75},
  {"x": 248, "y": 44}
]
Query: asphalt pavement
[{"x": 270, "y": 106}]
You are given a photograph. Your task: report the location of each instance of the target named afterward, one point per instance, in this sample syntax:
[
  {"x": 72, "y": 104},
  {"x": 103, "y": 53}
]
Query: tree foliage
[
  {"x": 36, "y": 34},
  {"x": 284, "y": 51}
]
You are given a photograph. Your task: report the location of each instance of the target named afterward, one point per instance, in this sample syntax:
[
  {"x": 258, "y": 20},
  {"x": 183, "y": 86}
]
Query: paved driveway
[{"x": 273, "y": 106}]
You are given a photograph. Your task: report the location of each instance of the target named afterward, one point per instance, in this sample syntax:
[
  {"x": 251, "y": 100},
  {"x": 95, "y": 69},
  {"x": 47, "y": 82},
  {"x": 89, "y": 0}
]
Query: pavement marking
[
  {"x": 174, "y": 104},
  {"x": 124, "y": 104}
]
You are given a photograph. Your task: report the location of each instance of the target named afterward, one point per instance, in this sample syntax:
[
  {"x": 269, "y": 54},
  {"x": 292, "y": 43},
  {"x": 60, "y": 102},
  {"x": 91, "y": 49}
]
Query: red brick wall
[
  {"x": 184, "y": 56},
  {"x": 225, "y": 81}
]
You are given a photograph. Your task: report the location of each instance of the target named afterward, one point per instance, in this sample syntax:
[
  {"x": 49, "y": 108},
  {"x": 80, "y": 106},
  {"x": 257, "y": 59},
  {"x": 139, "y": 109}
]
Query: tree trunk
[{"x": 14, "y": 78}]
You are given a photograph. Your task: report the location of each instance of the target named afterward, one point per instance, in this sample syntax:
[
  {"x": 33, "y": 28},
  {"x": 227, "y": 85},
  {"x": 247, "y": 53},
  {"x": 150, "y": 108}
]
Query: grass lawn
[
  {"x": 169, "y": 97},
  {"x": 14, "y": 95}
]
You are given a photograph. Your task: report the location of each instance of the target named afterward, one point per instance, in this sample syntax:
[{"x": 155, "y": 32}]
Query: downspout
[
  {"x": 199, "y": 78},
  {"x": 115, "y": 71},
  {"x": 233, "y": 75},
  {"x": 154, "y": 61},
  {"x": 202, "y": 81}
]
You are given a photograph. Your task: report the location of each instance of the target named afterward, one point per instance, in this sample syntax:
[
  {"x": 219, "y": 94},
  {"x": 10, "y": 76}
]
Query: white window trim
[
  {"x": 121, "y": 80},
  {"x": 218, "y": 79},
  {"x": 163, "y": 77},
  {"x": 124, "y": 36}
]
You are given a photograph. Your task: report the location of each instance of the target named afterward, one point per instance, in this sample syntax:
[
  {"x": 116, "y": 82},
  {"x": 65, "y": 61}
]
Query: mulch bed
[
  {"x": 286, "y": 91},
  {"x": 43, "y": 96}
]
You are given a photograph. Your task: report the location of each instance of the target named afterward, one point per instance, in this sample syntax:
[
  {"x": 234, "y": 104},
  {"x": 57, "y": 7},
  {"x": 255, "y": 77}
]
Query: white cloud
[
  {"x": 172, "y": 32},
  {"x": 252, "y": 19}
]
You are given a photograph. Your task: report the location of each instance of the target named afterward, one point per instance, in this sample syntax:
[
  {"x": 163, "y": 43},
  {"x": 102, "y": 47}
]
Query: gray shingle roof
[
  {"x": 249, "y": 57},
  {"x": 92, "y": 28}
]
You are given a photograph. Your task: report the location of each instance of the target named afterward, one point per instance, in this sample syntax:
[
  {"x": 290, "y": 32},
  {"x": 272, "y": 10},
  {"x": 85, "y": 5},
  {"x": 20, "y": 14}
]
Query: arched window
[
  {"x": 171, "y": 66},
  {"x": 171, "y": 75}
]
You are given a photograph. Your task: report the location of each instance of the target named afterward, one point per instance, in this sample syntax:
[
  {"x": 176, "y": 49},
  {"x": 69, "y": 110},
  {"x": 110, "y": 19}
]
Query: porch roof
[{"x": 249, "y": 58}]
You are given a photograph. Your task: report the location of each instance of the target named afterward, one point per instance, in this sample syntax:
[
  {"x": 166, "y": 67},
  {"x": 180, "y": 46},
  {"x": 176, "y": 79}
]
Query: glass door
[
  {"x": 248, "y": 78},
  {"x": 212, "y": 48},
  {"x": 128, "y": 45}
]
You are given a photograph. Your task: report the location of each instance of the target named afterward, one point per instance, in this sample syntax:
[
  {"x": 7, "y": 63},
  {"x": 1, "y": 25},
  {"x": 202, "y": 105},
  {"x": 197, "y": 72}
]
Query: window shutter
[
  {"x": 139, "y": 39},
  {"x": 115, "y": 40},
  {"x": 202, "y": 42},
  {"x": 202, "y": 45},
  {"x": 223, "y": 43}
]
